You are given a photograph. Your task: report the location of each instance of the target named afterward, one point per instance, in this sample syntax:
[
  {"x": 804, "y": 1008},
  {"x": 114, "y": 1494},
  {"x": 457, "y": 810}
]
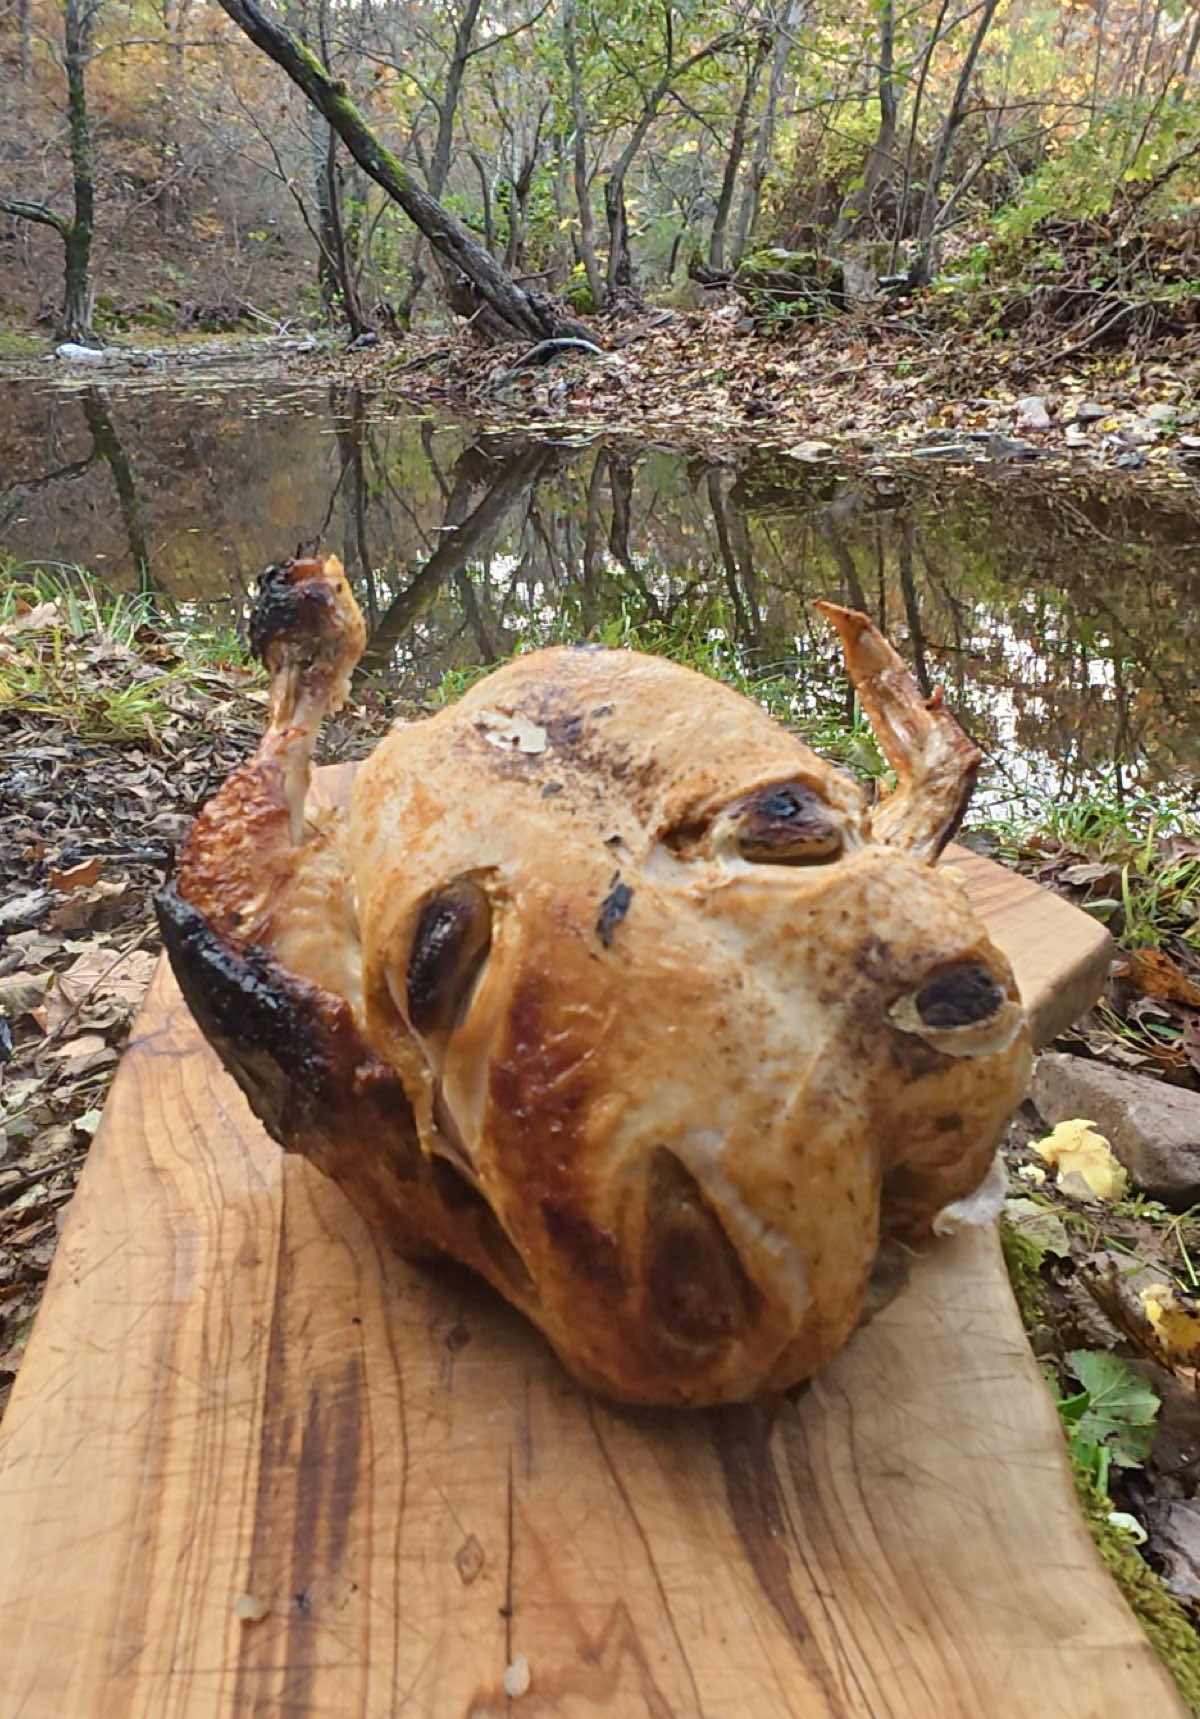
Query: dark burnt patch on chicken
[
  {"x": 613, "y": 909},
  {"x": 696, "y": 1286},
  {"x": 959, "y": 996},
  {"x": 295, "y": 607},
  {"x": 293, "y": 1048},
  {"x": 787, "y": 823},
  {"x": 449, "y": 947}
]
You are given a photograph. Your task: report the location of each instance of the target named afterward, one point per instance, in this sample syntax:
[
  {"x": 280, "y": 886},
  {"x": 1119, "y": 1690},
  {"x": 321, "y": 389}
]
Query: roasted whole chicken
[{"x": 606, "y": 986}]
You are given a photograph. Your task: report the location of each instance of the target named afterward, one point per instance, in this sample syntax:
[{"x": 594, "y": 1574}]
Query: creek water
[{"x": 1063, "y": 619}]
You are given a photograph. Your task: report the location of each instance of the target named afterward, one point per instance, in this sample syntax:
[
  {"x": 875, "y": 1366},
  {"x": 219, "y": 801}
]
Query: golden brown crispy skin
[
  {"x": 935, "y": 764},
  {"x": 608, "y": 987}
]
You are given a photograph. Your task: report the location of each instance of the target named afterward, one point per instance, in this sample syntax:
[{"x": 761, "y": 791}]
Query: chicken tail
[{"x": 935, "y": 763}]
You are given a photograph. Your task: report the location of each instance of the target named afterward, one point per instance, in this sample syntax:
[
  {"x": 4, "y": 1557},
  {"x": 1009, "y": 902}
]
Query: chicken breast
[{"x": 608, "y": 987}]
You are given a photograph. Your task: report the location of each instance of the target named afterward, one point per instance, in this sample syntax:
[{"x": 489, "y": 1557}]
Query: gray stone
[
  {"x": 1174, "y": 1526},
  {"x": 942, "y": 451},
  {"x": 1153, "y": 1128},
  {"x": 1010, "y": 450},
  {"x": 811, "y": 453},
  {"x": 1031, "y": 412}
]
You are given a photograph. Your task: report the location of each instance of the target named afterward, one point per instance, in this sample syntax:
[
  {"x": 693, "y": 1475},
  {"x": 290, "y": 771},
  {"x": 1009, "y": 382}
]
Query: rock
[
  {"x": 1154, "y": 1129},
  {"x": 800, "y": 283},
  {"x": 1032, "y": 413},
  {"x": 1087, "y": 412},
  {"x": 20, "y": 912},
  {"x": 812, "y": 453},
  {"x": 76, "y": 354},
  {"x": 1009, "y": 449},
  {"x": 942, "y": 451},
  {"x": 1162, "y": 412},
  {"x": 1131, "y": 460},
  {"x": 1174, "y": 1527}
]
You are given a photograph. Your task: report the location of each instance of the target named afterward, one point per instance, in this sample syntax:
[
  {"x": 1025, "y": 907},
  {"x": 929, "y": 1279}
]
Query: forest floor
[
  {"x": 864, "y": 389},
  {"x": 117, "y": 721},
  {"x": 857, "y": 390}
]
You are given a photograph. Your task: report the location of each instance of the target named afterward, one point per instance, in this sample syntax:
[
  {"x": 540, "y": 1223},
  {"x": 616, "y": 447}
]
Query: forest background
[{"x": 1010, "y": 160}]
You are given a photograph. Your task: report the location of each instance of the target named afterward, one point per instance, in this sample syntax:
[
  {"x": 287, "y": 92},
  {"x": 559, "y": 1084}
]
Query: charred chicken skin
[{"x": 607, "y": 987}]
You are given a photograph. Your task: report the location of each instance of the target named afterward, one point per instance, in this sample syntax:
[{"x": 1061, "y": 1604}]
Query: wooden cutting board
[{"x": 233, "y": 1394}]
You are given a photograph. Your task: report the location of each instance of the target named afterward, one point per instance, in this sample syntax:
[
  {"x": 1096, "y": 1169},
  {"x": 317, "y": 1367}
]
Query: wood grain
[
  {"x": 233, "y": 1390},
  {"x": 1059, "y": 955}
]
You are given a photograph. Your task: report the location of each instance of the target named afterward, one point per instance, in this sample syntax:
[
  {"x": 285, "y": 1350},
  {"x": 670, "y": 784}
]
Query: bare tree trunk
[
  {"x": 620, "y": 262},
  {"x": 922, "y": 265},
  {"x": 716, "y": 502},
  {"x": 476, "y": 284},
  {"x": 747, "y": 220},
  {"x": 321, "y": 139},
  {"x": 910, "y": 150},
  {"x": 77, "y": 240},
  {"x": 583, "y": 194},
  {"x": 347, "y": 286},
  {"x": 485, "y": 192},
  {"x": 26, "y": 46},
  {"x": 857, "y": 203},
  {"x": 912, "y": 609},
  {"x": 439, "y": 166},
  {"x": 737, "y": 150},
  {"x": 589, "y": 615},
  {"x": 349, "y": 418}
]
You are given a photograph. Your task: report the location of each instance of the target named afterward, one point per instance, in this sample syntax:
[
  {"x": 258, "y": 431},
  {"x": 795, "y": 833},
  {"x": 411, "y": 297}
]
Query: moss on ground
[
  {"x": 1160, "y": 1615},
  {"x": 1023, "y": 1258}
]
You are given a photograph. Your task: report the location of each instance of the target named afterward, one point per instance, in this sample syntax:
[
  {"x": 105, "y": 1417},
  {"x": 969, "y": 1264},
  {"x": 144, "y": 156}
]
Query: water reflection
[{"x": 1063, "y": 624}]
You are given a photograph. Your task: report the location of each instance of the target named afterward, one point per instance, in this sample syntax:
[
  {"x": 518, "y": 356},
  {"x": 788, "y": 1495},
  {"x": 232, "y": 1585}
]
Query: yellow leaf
[
  {"x": 1084, "y": 1160},
  {"x": 1176, "y": 1325}
]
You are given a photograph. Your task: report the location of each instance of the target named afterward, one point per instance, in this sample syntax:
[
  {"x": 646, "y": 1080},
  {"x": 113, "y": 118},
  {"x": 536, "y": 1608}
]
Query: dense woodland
[{"x": 195, "y": 165}]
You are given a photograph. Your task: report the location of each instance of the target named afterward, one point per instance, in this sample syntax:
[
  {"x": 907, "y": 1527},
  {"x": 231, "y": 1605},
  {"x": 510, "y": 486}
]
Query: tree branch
[
  {"x": 513, "y": 309},
  {"x": 38, "y": 212}
]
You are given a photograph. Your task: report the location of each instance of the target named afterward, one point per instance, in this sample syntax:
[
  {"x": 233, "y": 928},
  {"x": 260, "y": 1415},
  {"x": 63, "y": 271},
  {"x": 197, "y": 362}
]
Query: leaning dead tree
[{"x": 476, "y": 285}]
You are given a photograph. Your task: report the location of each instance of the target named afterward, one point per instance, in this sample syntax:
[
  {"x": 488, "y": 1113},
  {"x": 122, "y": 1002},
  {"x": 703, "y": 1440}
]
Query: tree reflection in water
[{"x": 1063, "y": 623}]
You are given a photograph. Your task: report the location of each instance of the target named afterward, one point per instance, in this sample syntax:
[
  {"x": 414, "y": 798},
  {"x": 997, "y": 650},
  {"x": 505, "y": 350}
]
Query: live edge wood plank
[{"x": 232, "y": 1390}]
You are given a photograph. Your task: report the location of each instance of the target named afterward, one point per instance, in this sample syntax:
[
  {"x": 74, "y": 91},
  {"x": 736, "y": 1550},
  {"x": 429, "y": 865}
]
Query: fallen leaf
[
  {"x": 86, "y": 908},
  {"x": 1084, "y": 1159},
  {"x": 76, "y": 876},
  {"x": 21, "y": 992},
  {"x": 30, "y": 619},
  {"x": 1176, "y": 1324},
  {"x": 101, "y": 981},
  {"x": 1156, "y": 975},
  {"x": 1189, "y": 1041},
  {"x": 1088, "y": 873},
  {"x": 1044, "y": 1228},
  {"x": 83, "y": 1055},
  {"x": 23, "y": 911}
]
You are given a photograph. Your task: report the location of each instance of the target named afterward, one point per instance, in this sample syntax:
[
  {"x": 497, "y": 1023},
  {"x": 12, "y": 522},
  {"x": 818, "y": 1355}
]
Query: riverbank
[{"x": 861, "y": 391}]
